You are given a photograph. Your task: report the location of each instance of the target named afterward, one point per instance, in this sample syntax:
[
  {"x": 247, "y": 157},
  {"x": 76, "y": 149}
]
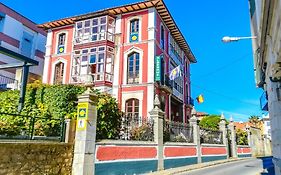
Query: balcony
[
  {"x": 166, "y": 83},
  {"x": 7, "y": 83}
]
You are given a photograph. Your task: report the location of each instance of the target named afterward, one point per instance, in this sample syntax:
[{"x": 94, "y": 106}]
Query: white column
[{"x": 46, "y": 71}]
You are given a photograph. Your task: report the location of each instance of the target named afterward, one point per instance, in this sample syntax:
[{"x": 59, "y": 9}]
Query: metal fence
[
  {"x": 177, "y": 132},
  {"x": 24, "y": 127},
  {"x": 211, "y": 136},
  {"x": 7, "y": 83},
  {"x": 136, "y": 128}
]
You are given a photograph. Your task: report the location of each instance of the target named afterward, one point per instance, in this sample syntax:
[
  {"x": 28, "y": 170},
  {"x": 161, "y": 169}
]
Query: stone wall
[{"x": 35, "y": 158}]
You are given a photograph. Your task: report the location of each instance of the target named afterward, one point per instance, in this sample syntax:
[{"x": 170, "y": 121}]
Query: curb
[{"x": 195, "y": 166}]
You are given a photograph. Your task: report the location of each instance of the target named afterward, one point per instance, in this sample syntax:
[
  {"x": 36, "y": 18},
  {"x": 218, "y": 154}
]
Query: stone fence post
[
  {"x": 84, "y": 148},
  {"x": 69, "y": 130},
  {"x": 193, "y": 121},
  {"x": 233, "y": 138},
  {"x": 223, "y": 129},
  {"x": 158, "y": 117}
]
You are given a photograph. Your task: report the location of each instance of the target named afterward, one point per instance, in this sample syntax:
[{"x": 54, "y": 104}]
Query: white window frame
[
  {"x": 65, "y": 43},
  {"x": 129, "y": 28}
]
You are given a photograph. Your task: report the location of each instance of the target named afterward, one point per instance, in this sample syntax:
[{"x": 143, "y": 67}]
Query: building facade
[
  {"x": 22, "y": 36},
  {"x": 266, "y": 24},
  {"x": 127, "y": 51}
]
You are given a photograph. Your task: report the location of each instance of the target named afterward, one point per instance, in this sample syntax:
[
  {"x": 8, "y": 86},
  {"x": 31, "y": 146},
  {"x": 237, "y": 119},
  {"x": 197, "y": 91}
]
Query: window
[
  {"x": 61, "y": 43},
  {"x": 133, "y": 68},
  {"x": 59, "y": 69},
  {"x": 134, "y": 30},
  {"x": 95, "y": 29},
  {"x": 162, "y": 37},
  {"x": 2, "y": 18},
  {"x": 96, "y": 61},
  {"x": 26, "y": 44},
  {"x": 132, "y": 107}
]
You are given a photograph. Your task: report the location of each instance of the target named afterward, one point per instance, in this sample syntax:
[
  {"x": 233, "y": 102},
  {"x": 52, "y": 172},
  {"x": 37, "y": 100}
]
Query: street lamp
[{"x": 228, "y": 39}]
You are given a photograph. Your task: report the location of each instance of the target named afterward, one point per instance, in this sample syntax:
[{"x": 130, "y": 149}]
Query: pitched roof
[{"x": 158, "y": 4}]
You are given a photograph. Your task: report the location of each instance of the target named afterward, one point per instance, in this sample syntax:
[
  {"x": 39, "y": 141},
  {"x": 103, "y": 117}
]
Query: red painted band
[
  {"x": 213, "y": 150},
  {"x": 244, "y": 150},
  {"x": 39, "y": 54},
  {"x": 125, "y": 152},
  {"x": 9, "y": 40},
  {"x": 179, "y": 151}
]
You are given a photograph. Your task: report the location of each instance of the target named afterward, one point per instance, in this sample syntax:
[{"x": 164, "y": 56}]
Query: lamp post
[{"x": 228, "y": 39}]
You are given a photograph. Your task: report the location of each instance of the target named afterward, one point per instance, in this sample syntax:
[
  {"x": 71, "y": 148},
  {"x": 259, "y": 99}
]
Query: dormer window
[
  {"x": 61, "y": 43},
  {"x": 134, "y": 30}
]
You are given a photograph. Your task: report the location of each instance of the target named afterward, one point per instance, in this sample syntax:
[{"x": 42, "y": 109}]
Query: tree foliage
[
  {"x": 210, "y": 122},
  {"x": 241, "y": 137},
  {"x": 51, "y": 104}
]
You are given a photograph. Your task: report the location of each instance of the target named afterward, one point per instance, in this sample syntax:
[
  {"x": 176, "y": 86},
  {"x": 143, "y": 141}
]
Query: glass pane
[
  {"x": 79, "y": 25},
  {"x": 130, "y": 103},
  {"x": 84, "y": 58},
  {"x": 94, "y": 49},
  {"x": 77, "y": 51},
  {"x": 101, "y": 57},
  {"x": 102, "y": 28},
  {"x": 87, "y": 23},
  {"x": 95, "y": 30},
  {"x": 100, "y": 67},
  {"x": 85, "y": 51},
  {"x": 93, "y": 59},
  {"x": 103, "y": 20},
  {"x": 108, "y": 68},
  {"x": 95, "y": 21},
  {"x": 102, "y": 36},
  {"x": 94, "y": 37},
  {"x": 129, "y": 109},
  {"x": 101, "y": 48},
  {"x": 87, "y": 31}
]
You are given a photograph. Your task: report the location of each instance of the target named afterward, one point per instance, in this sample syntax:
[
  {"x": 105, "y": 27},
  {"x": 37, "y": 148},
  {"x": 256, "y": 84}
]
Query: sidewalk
[{"x": 195, "y": 166}]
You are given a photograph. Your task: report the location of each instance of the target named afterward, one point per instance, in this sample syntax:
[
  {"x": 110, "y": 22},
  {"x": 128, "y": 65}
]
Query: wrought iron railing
[
  {"x": 211, "y": 136},
  {"x": 7, "y": 83},
  {"x": 24, "y": 127},
  {"x": 136, "y": 128},
  {"x": 177, "y": 132}
]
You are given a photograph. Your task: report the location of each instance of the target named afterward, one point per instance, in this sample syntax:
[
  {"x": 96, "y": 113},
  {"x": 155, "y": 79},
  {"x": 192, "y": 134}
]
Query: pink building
[{"x": 127, "y": 51}]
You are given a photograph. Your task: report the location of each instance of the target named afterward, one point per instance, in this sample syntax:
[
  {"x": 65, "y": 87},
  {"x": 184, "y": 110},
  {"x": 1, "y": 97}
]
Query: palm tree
[{"x": 255, "y": 120}]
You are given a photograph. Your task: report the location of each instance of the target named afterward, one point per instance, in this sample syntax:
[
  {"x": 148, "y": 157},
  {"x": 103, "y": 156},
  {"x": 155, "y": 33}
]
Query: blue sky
[{"x": 224, "y": 72}]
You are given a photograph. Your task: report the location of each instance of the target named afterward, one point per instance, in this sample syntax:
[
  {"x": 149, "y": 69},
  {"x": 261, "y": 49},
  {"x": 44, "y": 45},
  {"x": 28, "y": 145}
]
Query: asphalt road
[{"x": 244, "y": 167}]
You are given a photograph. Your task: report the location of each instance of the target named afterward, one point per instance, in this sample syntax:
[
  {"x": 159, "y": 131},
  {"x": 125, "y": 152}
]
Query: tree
[
  {"x": 255, "y": 121},
  {"x": 210, "y": 122}
]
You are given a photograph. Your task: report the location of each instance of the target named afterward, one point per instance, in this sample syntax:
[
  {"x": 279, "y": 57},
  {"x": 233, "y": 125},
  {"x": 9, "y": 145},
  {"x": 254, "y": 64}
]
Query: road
[{"x": 244, "y": 167}]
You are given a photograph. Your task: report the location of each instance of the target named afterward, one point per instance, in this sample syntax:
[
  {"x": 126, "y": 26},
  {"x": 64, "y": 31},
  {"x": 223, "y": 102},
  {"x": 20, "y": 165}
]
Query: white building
[
  {"x": 20, "y": 35},
  {"x": 266, "y": 126},
  {"x": 266, "y": 25}
]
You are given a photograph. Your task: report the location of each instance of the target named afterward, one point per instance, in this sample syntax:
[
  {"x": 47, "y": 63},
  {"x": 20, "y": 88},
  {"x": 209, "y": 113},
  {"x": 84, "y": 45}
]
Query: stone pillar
[
  {"x": 233, "y": 138},
  {"x": 193, "y": 121},
  {"x": 84, "y": 148},
  {"x": 70, "y": 130},
  {"x": 223, "y": 129},
  {"x": 158, "y": 117}
]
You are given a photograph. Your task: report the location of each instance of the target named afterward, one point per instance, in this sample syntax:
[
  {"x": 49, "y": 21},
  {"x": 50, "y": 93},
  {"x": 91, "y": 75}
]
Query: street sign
[
  {"x": 82, "y": 116},
  {"x": 157, "y": 68}
]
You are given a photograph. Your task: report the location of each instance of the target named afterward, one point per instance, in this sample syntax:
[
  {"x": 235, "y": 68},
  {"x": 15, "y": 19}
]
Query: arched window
[
  {"x": 59, "y": 69},
  {"x": 132, "y": 107},
  {"x": 61, "y": 43},
  {"x": 133, "y": 68},
  {"x": 134, "y": 30}
]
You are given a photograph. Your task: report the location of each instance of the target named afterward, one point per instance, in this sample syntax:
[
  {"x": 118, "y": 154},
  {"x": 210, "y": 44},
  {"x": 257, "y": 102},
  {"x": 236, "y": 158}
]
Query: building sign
[
  {"x": 157, "y": 68},
  {"x": 82, "y": 116}
]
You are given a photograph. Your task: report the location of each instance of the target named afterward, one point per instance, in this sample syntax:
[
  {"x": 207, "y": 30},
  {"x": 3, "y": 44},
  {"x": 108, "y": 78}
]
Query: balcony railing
[
  {"x": 7, "y": 83},
  {"x": 165, "y": 81},
  {"x": 190, "y": 101}
]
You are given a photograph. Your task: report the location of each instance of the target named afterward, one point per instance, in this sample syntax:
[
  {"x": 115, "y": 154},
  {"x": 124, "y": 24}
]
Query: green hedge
[{"x": 55, "y": 102}]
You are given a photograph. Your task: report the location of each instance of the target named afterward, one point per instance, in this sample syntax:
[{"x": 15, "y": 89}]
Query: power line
[
  {"x": 222, "y": 95},
  {"x": 225, "y": 66}
]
